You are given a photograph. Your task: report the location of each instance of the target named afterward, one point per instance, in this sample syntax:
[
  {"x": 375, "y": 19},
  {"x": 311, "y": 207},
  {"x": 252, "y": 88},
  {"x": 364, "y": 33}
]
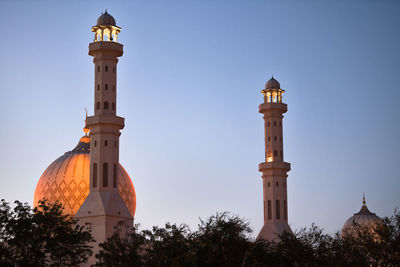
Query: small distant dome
[
  {"x": 272, "y": 84},
  {"x": 106, "y": 20},
  {"x": 364, "y": 217}
]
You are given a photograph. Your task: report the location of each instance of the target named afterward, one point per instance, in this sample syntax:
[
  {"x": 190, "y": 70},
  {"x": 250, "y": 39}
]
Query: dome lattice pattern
[{"x": 67, "y": 180}]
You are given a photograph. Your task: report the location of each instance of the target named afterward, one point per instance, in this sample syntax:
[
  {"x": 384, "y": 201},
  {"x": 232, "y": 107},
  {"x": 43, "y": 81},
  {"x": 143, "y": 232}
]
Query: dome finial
[
  {"x": 86, "y": 130},
  {"x": 364, "y": 202}
]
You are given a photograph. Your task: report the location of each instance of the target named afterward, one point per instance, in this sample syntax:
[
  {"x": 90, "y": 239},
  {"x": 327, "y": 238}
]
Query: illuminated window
[
  {"x": 106, "y": 68},
  {"x": 284, "y": 210},
  {"x": 106, "y": 86},
  {"x": 98, "y": 105},
  {"x": 269, "y": 210},
  {"x": 106, "y": 105},
  {"x": 94, "y": 175},
  {"x": 105, "y": 174},
  {"x": 269, "y": 156},
  {"x": 278, "y": 210},
  {"x": 105, "y": 143},
  {"x": 275, "y": 153},
  {"x": 113, "y": 106},
  {"x": 115, "y": 176}
]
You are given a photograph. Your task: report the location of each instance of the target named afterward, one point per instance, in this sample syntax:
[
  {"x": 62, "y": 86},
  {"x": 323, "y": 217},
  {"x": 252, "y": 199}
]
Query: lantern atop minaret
[
  {"x": 106, "y": 30},
  {"x": 272, "y": 92}
]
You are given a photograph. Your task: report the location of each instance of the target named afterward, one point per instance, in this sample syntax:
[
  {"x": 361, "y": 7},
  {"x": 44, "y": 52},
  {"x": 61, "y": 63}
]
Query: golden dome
[{"x": 67, "y": 180}]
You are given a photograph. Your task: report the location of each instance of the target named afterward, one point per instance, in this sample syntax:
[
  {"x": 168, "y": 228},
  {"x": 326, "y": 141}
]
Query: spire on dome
[{"x": 364, "y": 202}]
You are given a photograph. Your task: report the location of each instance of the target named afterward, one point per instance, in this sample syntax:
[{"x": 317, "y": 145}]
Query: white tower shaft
[
  {"x": 274, "y": 169},
  {"x": 104, "y": 208}
]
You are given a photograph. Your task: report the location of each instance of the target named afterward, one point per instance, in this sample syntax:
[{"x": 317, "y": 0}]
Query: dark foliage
[
  {"x": 42, "y": 236},
  {"x": 119, "y": 251},
  {"x": 223, "y": 240}
]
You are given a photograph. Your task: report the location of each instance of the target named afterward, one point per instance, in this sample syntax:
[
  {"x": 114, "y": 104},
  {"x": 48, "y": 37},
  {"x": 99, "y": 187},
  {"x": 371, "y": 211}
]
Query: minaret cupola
[
  {"x": 106, "y": 29},
  {"x": 272, "y": 92}
]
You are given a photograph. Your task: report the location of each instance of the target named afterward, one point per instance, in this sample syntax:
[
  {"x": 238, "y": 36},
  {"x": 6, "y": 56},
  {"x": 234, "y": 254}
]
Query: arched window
[
  {"x": 94, "y": 170},
  {"x": 105, "y": 105},
  {"x": 98, "y": 105},
  {"x": 106, "y": 86},
  {"x": 113, "y": 106},
  {"x": 98, "y": 87},
  {"x": 277, "y": 184},
  {"x": 95, "y": 143},
  {"x": 274, "y": 123},
  {"x": 269, "y": 138},
  {"x": 269, "y": 210},
  {"x": 284, "y": 210},
  {"x": 268, "y": 124},
  {"x": 275, "y": 153},
  {"x": 278, "y": 210},
  {"x": 265, "y": 211},
  {"x": 98, "y": 68},
  {"x": 106, "y": 68},
  {"x": 274, "y": 138},
  {"x": 105, "y": 174},
  {"x": 115, "y": 176},
  {"x": 105, "y": 143},
  {"x": 269, "y": 184}
]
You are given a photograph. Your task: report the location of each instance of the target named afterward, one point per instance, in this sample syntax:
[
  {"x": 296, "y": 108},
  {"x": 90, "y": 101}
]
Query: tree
[
  {"x": 222, "y": 240},
  {"x": 42, "y": 236},
  {"x": 117, "y": 251},
  {"x": 169, "y": 246}
]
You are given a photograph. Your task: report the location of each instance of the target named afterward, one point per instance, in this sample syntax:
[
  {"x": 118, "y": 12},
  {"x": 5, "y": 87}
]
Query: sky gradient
[{"x": 189, "y": 88}]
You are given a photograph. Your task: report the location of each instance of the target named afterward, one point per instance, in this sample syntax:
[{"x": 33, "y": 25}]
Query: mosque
[{"x": 94, "y": 187}]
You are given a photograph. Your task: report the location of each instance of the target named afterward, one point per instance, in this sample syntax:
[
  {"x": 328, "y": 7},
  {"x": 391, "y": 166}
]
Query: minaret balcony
[
  {"x": 105, "y": 120},
  {"x": 113, "y": 48},
  {"x": 274, "y": 166},
  {"x": 267, "y": 107}
]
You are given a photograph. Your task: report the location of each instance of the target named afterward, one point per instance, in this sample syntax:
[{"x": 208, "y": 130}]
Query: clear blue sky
[{"x": 189, "y": 87}]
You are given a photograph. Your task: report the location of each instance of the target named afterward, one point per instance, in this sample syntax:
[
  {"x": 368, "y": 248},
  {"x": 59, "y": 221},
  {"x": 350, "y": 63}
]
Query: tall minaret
[
  {"x": 104, "y": 208},
  {"x": 274, "y": 169}
]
